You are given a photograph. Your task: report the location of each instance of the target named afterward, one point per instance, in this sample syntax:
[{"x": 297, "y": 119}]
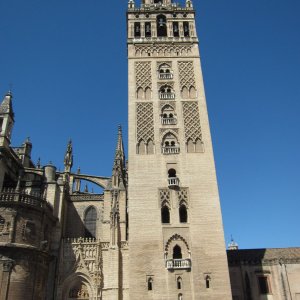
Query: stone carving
[
  {"x": 176, "y": 237},
  {"x": 164, "y": 195},
  {"x": 182, "y": 195},
  {"x": 186, "y": 74},
  {"x": 160, "y": 84},
  {"x": 143, "y": 75},
  {"x": 191, "y": 118},
  {"x": 166, "y": 102},
  {"x": 145, "y": 122},
  {"x": 162, "y": 50},
  {"x": 83, "y": 255}
]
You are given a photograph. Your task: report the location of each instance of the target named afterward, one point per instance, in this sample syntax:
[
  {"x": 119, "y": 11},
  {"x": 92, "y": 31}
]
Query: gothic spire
[
  {"x": 120, "y": 148},
  {"x": 68, "y": 162}
]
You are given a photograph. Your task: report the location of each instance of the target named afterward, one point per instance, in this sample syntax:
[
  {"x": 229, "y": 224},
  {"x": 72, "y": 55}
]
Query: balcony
[
  {"x": 12, "y": 196},
  {"x": 168, "y": 121},
  {"x": 173, "y": 181},
  {"x": 171, "y": 150},
  {"x": 166, "y": 96},
  {"x": 178, "y": 264},
  {"x": 165, "y": 76}
]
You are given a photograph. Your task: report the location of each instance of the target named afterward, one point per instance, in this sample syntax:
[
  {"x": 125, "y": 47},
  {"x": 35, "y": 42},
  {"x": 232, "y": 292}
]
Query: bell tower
[{"x": 176, "y": 237}]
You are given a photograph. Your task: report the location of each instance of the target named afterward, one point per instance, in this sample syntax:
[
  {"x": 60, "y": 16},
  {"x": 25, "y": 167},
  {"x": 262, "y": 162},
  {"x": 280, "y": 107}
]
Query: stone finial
[
  {"x": 68, "y": 161},
  {"x": 188, "y": 4},
  {"x": 131, "y": 4}
]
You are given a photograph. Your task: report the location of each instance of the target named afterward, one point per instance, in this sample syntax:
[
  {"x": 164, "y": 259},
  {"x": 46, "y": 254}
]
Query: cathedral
[{"x": 158, "y": 236}]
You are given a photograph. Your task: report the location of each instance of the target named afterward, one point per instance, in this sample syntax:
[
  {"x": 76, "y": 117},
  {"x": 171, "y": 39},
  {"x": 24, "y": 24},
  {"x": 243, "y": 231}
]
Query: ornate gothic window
[
  {"x": 165, "y": 72},
  {"x": 168, "y": 115},
  {"x": 90, "y": 220},
  {"x": 166, "y": 93},
  {"x": 170, "y": 144}
]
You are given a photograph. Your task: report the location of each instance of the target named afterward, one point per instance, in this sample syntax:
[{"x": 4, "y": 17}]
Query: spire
[
  {"x": 68, "y": 162},
  {"x": 120, "y": 148},
  {"x": 119, "y": 162},
  {"x": 6, "y": 105}
]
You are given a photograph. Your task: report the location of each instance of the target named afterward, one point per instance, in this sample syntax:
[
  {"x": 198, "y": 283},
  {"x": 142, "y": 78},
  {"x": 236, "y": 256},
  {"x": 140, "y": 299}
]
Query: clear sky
[{"x": 66, "y": 60}]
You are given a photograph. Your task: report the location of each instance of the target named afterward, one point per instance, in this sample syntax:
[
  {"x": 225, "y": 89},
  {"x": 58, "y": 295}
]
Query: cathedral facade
[{"x": 157, "y": 236}]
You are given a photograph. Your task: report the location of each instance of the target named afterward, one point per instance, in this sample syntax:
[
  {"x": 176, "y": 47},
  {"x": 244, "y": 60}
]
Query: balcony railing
[
  {"x": 171, "y": 150},
  {"x": 173, "y": 181},
  {"x": 14, "y": 196},
  {"x": 165, "y": 76},
  {"x": 166, "y": 96},
  {"x": 168, "y": 121},
  {"x": 178, "y": 264}
]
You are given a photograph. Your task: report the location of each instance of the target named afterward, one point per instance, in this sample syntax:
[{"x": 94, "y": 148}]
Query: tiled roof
[{"x": 263, "y": 255}]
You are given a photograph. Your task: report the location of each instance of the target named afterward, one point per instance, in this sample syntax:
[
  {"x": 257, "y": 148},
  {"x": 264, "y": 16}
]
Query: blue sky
[{"x": 68, "y": 69}]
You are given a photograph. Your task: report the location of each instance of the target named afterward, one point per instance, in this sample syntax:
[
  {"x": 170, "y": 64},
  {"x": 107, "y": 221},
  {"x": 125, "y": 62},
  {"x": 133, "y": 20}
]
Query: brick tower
[{"x": 176, "y": 237}]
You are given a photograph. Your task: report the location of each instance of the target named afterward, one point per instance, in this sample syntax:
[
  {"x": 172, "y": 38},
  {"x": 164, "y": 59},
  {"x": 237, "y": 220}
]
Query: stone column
[{"x": 7, "y": 265}]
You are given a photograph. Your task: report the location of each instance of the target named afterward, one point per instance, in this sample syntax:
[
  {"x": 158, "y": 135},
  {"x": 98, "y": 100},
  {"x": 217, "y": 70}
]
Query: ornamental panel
[
  {"x": 186, "y": 74},
  {"x": 145, "y": 121},
  {"x": 143, "y": 75},
  {"x": 191, "y": 117}
]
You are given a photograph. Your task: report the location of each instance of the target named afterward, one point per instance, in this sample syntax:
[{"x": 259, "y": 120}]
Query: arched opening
[
  {"x": 90, "y": 220},
  {"x": 79, "y": 292},
  {"x": 175, "y": 29},
  {"x": 186, "y": 29},
  {"x": 193, "y": 93},
  {"x": 185, "y": 92},
  {"x": 177, "y": 252},
  {"x": 170, "y": 144},
  {"x": 150, "y": 147},
  {"x": 207, "y": 282},
  {"x": 157, "y": 1},
  {"x": 199, "y": 145},
  {"x": 147, "y": 29},
  {"x": 140, "y": 93},
  {"x": 183, "y": 216},
  {"x": 137, "y": 29},
  {"x": 165, "y": 214},
  {"x": 180, "y": 297},
  {"x": 148, "y": 93},
  {"x": 179, "y": 283},
  {"x": 150, "y": 284},
  {"x": 190, "y": 146},
  {"x": 141, "y": 147},
  {"x": 168, "y": 115},
  {"x": 161, "y": 25},
  {"x": 172, "y": 173}
]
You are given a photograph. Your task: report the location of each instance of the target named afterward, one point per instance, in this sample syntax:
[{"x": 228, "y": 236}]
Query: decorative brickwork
[
  {"x": 186, "y": 74},
  {"x": 191, "y": 118},
  {"x": 162, "y": 50},
  {"x": 182, "y": 195},
  {"x": 145, "y": 122},
  {"x": 164, "y": 196},
  {"x": 143, "y": 75}
]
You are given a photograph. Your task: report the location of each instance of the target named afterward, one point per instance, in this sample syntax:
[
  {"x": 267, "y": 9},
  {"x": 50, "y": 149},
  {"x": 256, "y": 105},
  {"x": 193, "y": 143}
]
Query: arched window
[
  {"x": 180, "y": 297},
  {"x": 79, "y": 292},
  {"x": 90, "y": 220},
  {"x": 137, "y": 29},
  {"x": 161, "y": 25},
  {"x": 165, "y": 214},
  {"x": 172, "y": 173},
  {"x": 179, "y": 283},
  {"x": 164, "y": 71},
  {"x": 183, "y": 216},
  {"x": 207, "y": 281},
  {"x": 177, "y": 252},
  {"x": 150, "y": 284}
]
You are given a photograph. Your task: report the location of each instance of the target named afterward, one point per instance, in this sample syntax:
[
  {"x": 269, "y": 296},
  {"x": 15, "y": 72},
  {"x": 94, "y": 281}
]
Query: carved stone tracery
[{"x": 162, "y": 50}]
